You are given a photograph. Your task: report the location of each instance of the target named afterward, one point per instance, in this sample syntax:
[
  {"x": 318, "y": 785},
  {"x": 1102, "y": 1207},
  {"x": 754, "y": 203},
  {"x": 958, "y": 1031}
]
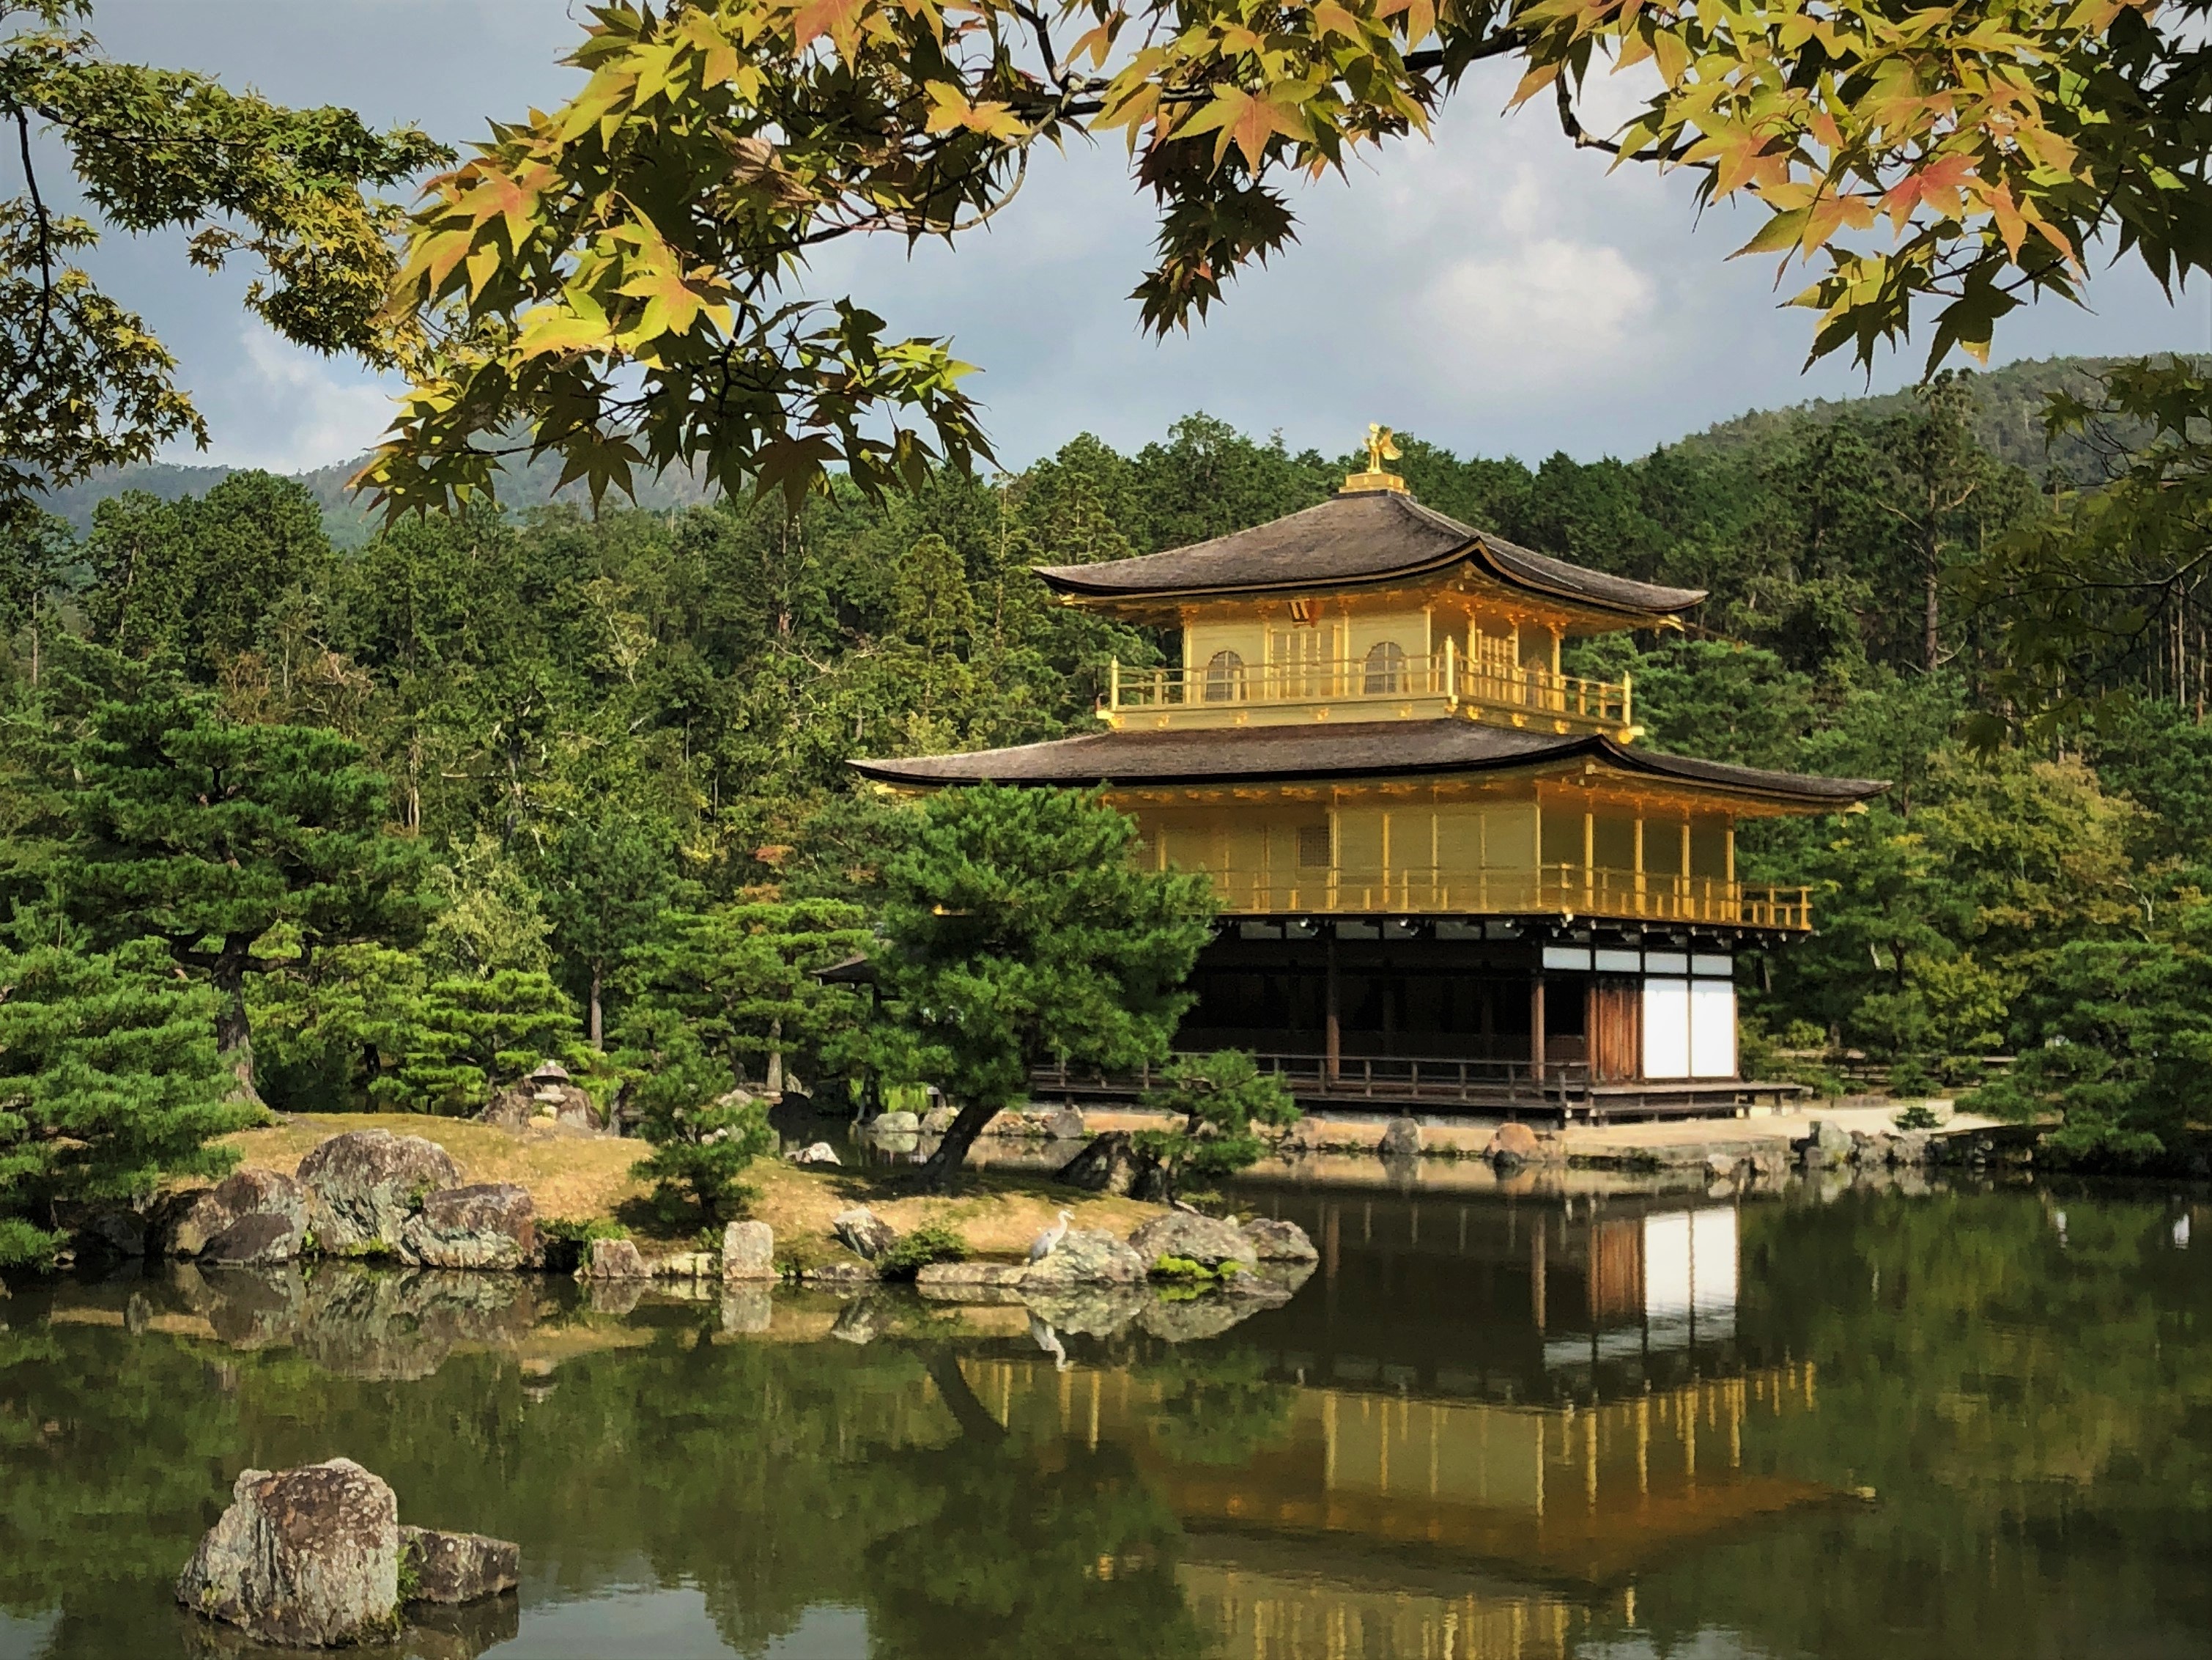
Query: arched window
[
  {"x": 1386, "y": 669},
  {"x": 1224, "y": 678}
]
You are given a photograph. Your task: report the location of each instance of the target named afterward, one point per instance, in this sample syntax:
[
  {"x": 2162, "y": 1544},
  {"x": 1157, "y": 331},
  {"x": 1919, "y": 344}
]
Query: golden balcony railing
[
  {"x": 1515, "y": 693},
  {"x": 1561, "y": 890}
]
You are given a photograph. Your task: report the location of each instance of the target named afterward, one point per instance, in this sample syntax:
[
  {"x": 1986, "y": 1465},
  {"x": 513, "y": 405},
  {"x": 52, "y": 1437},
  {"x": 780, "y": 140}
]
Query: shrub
[
  {"x": 933, "y": 1241},
  {"x": 1219, "y": 1097},
  {"x": 1917, "y": 1117}
]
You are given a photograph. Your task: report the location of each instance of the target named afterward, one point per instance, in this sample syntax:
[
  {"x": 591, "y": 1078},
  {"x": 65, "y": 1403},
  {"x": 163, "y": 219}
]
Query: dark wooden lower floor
[{"x": 1564, "y": 1093}]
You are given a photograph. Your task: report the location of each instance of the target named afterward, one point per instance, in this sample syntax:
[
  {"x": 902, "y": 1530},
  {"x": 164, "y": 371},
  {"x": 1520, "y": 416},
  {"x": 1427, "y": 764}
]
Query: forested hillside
[{"x": 573, "y": 742}]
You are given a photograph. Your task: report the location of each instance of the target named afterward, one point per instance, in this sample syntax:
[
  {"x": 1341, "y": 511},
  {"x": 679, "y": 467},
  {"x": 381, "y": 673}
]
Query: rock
[
  {"x": 748, "y": 1251},
  {"x": 895, "y": 1123},
  {"x": 111, "y": 1231},
  {"x": 459, "y": 1567},
  {"x": 1911, "y": 1148},
  {"x": 1111, "y": 1164},
  {"x": 1513, "y": 1140},
  {"x": 306, "y": 1557},
  {"x": 365, "y": 1183},
  {"x": 971, "y": 1282},
  {"x": 1190, "y": 1319},
  {"x": 747, "y": 1307},
  {"x": 840, "y": 1273},
  {"x": 1206, "y": 1240},
  {"x": 820, "y": 1153},
  {"x": 615, "y": 1259},
  {"x": 1401, "y": 1138},
  {"x": 509, "y": 1109},
  {"x": 491, "y": 1224},
  {"x": 1064, "y": 1123},
  {"x": 858, "y": 1322},
  {"x": 1279, "y": 1242},
  {"x": 1825, "y": 1142},
  {"x": 1720, "y": 1167},
  {"x": 1092, "y": 1310},
  {"x": 937, "y": 1120},
  {"x": 863, "y": 1233},
  {"x": 253, "y": 1241},
  {"x": 1085, "y": 1257},
  {"x": 685, "y": 1265},
  {"x": 246, "y": 1192}
]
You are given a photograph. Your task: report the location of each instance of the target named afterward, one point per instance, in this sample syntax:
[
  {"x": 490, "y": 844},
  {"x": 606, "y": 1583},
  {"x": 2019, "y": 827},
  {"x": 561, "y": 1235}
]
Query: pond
[{"x": 1612, "y": 1422}]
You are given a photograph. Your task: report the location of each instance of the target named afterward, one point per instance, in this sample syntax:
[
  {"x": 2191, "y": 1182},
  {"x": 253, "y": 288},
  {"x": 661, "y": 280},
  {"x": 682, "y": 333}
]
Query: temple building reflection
[{"x": 1471, "y": 1488}]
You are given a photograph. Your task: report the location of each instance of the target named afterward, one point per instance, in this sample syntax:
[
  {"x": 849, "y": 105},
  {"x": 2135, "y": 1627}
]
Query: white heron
[
  {"x": 1042, "y": 1335},
  {"x": 1048, "y": 1241}
]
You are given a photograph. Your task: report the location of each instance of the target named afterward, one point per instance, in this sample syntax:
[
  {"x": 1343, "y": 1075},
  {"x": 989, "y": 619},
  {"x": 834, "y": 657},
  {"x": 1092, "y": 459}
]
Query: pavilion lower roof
[
  {"x": 1354, "y": 539},
  {"x": 1349, "y": 750}
]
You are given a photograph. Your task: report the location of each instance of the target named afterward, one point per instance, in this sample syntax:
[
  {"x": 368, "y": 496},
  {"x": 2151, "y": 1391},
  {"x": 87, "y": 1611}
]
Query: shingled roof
[
  {"x": 1368, "y": 749},
  {"x": 1358, "y": 538}
]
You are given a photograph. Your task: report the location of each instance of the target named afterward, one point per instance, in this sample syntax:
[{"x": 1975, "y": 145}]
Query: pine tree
[
  {"x": 207, "y": 834},
  {"x": 1019, "y": 931},
  {"x": 742, "y": 977},
  {"x": 109, "y": 1080},
  {"x": 703, "y": 1132}
]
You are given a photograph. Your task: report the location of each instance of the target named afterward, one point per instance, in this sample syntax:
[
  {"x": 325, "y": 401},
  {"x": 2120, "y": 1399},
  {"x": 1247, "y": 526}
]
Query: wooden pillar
[
  {"x": 1536, "y": 1027},
  {"x": 1536, "y": 1276},
  {"x": 1332, "y": 1033}
]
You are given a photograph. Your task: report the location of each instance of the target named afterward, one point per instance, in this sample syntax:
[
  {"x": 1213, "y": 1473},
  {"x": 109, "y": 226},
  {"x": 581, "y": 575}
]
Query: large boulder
[
  {"x": 1514, "y": 1141},
  {"x": 207, "y": 1215},
  {"x": 457, "y": 1567},
  {"x": 1064, "y": 1123},
  {"x": 937, "y": 1120},
  {"x": 306, "y": 1557},
  {"x": 748, "y": 1251},
  {"x": 895, "y": 1123},
  {"x": 1828, "y": 1142},
  {"x": 365, "y": 1183},
  {"x": 1085, "y": 1257},
  {"x": 492, "y": 1224},
  {"x": 1274, "y": 1241},
  {"x": 817, "y": 1152},
  {"x": 615, "y": 1259},
  {"x": 1109, "y": 1162},
  {"x": 1188, "y": 1237},
  {"x": 863, "y": 1233},
  {"x": 1401, "y": 1138},
  {"x": 260, "y": 1240}
]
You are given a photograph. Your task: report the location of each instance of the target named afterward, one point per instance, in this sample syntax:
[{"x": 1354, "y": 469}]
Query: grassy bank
[{"x": 574, "y": 1178}]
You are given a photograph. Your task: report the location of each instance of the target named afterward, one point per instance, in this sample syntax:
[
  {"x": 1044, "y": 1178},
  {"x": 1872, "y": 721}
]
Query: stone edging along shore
[{"x": 373, "y": 1195}]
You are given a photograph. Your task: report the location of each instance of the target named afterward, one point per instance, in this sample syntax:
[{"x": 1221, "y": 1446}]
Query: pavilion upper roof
[
  {"x": 1354, "y": 539},
  {"x": 1350, "y": 749}
]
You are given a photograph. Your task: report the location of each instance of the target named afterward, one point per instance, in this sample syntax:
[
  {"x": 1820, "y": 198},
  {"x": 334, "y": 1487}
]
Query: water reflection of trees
[{"x": 2030, "y": 1410}]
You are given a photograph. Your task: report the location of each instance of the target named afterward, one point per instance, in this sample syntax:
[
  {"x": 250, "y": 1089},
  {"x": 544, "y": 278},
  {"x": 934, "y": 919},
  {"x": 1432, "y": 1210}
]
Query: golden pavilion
[{"x": 1448, "y": 874}]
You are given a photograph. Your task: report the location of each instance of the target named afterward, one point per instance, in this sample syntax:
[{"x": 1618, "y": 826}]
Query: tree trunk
[
  {"x": 953, "y": 1152},
  {"x": 598, "y": 1023},
  {"x": 234, "y": 1032},
  {"x": 1931, "y": 640},
  {"x": 776, "y": 1057}
]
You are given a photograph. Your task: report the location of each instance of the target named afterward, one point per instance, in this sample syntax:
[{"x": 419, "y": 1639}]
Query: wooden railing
[
  {"x": 1380, "y": 1077},
  {"x": 1560, "y": 890},
  {"x": 1446, "y": 674}
]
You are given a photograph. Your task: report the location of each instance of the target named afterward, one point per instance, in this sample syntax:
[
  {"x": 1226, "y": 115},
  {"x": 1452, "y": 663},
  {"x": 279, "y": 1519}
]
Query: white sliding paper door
[
  {"x": 1667, "y": 1028},
  {"x": 1712, "y": 1028}
]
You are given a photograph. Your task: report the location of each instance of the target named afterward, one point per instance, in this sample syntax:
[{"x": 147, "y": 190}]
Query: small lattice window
[
  {"x": 1313, "y": 847},
  {"x": 1386, "y": 669},
  {"x": 1224, "y": 677}
]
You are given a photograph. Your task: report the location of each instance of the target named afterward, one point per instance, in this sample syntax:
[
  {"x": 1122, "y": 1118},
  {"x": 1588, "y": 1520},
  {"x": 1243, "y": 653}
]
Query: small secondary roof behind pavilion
[
  {"x": 1357, "y": 539},
  {"x": 1371, "y": 749}
]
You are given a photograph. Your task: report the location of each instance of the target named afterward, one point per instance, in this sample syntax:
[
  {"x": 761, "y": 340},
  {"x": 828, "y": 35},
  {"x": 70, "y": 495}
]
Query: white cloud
[
  {"x": 1543, "y": 313},
  {"x": 284, "y": 407}
]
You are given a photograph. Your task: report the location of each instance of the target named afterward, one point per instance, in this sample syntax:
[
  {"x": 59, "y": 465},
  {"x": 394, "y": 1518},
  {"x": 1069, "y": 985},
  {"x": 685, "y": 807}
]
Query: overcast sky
[{"x": 1491, "y": 290}]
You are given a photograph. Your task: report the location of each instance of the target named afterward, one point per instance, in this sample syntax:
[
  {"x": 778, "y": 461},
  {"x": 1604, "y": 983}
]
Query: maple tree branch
[{"x": 46, "y": 241}]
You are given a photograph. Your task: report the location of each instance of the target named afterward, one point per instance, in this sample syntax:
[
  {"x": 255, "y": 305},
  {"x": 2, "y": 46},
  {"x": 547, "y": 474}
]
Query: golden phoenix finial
[{"x": 1381, "y": 445}]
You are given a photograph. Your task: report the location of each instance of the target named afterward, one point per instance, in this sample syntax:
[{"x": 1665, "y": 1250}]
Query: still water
[{"x": 1607, "y": 1423}]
